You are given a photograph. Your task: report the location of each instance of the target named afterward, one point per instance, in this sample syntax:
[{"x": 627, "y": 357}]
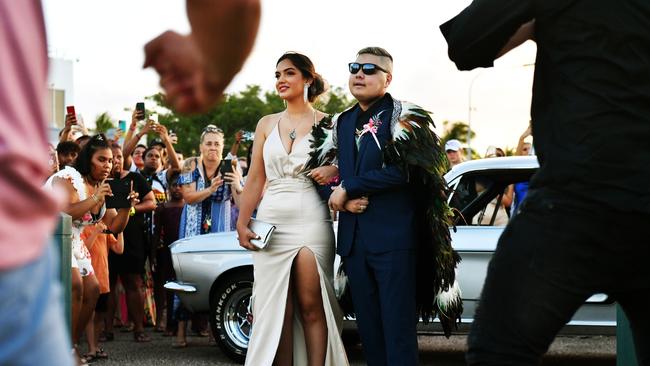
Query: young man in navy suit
[{"x": 376, "y": 238}]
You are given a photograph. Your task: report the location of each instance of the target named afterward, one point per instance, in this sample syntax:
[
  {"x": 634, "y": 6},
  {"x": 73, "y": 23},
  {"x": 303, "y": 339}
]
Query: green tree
[
  {"x": 334, "y": 101},
  {"x": 455, "y": 130},
  {"x": 238, "y": 111},
  {"x": 103, "y": 123}
]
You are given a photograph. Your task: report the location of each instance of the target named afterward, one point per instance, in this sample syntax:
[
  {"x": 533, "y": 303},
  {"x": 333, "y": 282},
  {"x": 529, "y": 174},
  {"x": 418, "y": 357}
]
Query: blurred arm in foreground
[{"x": 196, "y": 68}]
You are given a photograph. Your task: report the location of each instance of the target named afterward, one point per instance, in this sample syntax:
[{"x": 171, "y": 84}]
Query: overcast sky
[{"x": 106, "y": 37}]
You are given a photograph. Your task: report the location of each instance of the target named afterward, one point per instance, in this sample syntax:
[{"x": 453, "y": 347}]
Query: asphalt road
[{"x": 434, "y": 350}]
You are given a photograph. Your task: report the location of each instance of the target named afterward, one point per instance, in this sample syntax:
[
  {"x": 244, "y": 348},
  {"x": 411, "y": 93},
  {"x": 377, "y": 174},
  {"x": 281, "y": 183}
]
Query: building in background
[{"x": 60, "y": 93}]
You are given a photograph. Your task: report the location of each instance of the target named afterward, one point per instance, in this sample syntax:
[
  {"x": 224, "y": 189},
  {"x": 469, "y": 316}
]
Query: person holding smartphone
[
  {"x": 74, "y": 125},
  {"x": 209, "y": 186},
  {"x": 209, "y": 182},
  {"x": 87, "y": 188},
  {"x": 130, "y": 265}
]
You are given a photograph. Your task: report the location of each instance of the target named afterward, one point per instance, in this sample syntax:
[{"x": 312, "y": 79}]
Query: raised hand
[
  {"x": 133, "y": 196},
  {"x": 161, "y": 130},
  {"x": 137, "y": 115},
  {"x": 149, "y": 126},
  {"x": 70, "y": 120},
  {"x": 239, "y": 135}
]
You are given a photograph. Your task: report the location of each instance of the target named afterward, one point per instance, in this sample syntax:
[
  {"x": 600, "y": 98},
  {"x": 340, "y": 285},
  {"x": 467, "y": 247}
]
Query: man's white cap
[{"x": 453, "y": 145}]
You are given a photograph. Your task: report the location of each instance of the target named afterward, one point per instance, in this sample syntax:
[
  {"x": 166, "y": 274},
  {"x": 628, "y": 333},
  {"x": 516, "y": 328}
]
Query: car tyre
[{"x": 230, "y": 314}]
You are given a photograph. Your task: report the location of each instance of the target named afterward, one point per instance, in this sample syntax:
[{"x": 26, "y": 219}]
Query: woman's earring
[{"x": 305, "y": 93}]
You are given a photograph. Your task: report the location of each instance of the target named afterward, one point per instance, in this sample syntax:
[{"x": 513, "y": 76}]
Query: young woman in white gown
[{"x": 295, "y": 313}]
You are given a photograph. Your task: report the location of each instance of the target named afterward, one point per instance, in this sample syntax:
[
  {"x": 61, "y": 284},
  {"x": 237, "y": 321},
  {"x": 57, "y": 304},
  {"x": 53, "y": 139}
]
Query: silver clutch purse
[{"x": 263, "y": 230}]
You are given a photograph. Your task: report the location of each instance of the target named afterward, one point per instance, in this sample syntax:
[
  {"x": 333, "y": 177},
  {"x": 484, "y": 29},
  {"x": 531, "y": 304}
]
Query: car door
[{"x": 477, "y": 199}]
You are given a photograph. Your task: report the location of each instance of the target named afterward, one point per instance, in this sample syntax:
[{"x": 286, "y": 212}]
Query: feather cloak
[{"x": 416, "y": 150}]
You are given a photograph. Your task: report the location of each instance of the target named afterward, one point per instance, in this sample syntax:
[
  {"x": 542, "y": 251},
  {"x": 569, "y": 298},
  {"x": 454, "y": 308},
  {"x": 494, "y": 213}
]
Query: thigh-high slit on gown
[{"x": 292, "y": 204}]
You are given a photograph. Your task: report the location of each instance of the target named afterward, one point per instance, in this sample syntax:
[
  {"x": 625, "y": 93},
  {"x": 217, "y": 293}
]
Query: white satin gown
[{"x": 292, "y": 204}]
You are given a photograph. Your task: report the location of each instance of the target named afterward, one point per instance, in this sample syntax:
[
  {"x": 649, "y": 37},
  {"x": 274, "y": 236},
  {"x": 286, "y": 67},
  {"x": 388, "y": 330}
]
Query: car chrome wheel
[
  {"x": 230, "y": 313},
  {"x": 239, "y": 317}
]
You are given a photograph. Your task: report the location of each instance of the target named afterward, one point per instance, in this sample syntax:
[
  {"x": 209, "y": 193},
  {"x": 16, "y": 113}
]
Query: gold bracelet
[
  {"x": 132, "y": 211},
  {"x": 94, "y": 198}
]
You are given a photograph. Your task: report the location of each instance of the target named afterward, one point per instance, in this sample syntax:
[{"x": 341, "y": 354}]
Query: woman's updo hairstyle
[
  {"x": 306, "y": 67},
  {"x": 84, "y": 160}
]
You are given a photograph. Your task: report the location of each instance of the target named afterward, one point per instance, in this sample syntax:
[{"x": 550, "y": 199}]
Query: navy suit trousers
[{"x": 383, "y": 292}]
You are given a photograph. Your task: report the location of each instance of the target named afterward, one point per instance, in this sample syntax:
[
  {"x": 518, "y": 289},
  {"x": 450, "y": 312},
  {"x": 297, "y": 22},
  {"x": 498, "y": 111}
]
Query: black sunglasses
[
  {"x": 368, "y": 69},
  {"x": 211, "y": 129}
]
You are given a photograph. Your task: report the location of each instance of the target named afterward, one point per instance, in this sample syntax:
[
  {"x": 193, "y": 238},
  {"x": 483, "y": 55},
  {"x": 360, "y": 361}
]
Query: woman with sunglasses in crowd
[
  {"x": 294, "y": 273},
  {"x": 87, "y": 189}
]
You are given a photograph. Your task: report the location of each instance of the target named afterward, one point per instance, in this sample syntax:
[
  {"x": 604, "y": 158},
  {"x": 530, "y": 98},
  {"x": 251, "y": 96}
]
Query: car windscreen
[{"x": 484, "y": 197}]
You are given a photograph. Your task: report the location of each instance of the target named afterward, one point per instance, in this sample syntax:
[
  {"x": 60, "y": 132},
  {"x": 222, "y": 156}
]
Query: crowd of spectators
[{"x": 120, "y": 254}]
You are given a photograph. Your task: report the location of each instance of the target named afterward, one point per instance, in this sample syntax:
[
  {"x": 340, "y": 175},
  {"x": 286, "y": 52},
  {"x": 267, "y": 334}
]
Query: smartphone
[
  {"x": 226, "y": 167},
  {"x": 120, "y": 198},
  {"x": 70, "y": 110},
  {"x": 248, "y": 136},
  {"x": 122, "y": 125},
  {"x": 140, "y": 107}
]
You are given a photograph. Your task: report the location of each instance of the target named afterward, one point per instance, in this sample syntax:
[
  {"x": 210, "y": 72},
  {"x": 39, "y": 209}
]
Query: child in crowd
[
  {"x": 99, "y": 241},
  {"x": 167, "y": 221}
]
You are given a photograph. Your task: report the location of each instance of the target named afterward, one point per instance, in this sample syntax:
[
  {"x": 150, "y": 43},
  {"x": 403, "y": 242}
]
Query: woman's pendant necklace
[{"x": 292, "y": 134}]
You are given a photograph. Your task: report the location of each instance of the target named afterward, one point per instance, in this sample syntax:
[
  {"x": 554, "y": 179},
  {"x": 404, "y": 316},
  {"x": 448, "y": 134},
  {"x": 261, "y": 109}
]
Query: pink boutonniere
[{"x": 371, "y": 127}]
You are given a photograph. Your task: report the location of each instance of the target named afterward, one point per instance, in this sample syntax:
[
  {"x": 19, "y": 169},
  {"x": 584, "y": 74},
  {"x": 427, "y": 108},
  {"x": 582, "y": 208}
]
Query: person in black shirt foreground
[{"x": 583, "y": 227}]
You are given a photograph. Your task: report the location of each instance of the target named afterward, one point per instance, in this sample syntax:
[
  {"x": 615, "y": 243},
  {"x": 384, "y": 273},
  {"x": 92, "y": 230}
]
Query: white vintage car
[{"x": 215, "y": 275}]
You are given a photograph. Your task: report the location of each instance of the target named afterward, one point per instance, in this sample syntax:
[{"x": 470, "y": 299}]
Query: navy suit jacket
[{"x": 388, "y": 223}]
